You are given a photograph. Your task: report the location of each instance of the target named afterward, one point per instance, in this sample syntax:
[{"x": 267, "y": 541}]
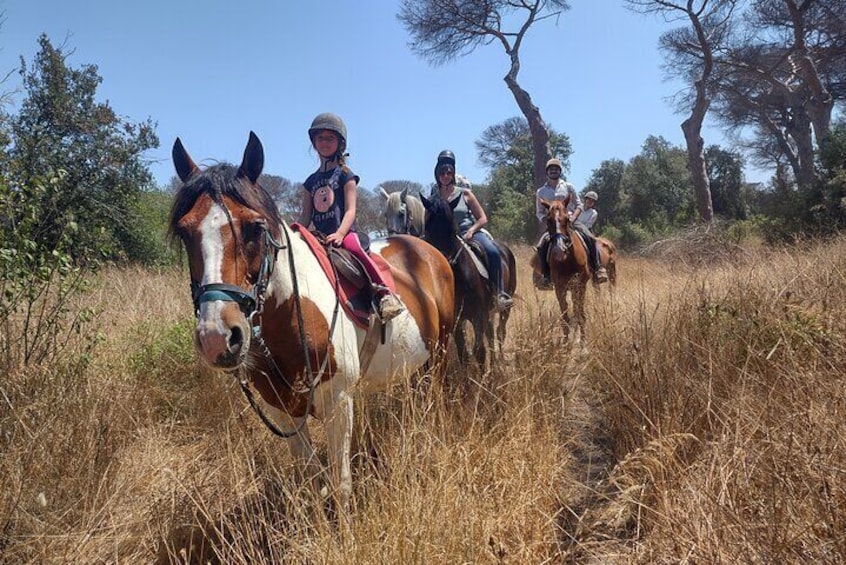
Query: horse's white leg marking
[
  {"x": 300, "y": 444},
  {"x": 334, "y": 400},
  {"x": 212, "y": 335}
]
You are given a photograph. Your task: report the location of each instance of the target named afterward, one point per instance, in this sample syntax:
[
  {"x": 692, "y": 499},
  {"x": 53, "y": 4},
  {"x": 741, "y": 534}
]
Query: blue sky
[{"x": 211, "y": 71}]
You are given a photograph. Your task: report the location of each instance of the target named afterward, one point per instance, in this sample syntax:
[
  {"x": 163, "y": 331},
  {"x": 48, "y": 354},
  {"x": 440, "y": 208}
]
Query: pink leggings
[{"x": 352, "y": 244}]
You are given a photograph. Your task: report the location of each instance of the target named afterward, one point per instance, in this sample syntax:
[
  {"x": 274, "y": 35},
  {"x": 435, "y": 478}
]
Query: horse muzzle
[{"x": 222, "y": 336}]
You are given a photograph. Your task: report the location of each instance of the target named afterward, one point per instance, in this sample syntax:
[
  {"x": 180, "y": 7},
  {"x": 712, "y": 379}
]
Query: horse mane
[{"x": 218, "y": 181}]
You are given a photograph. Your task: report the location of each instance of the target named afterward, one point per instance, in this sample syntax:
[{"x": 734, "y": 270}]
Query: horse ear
[
  {"x": 185, "y": 166},
  {"x": 403, "y": 194},
  {"x": 253, "y": 162},
  {"x": 545, "y": 203},
  {"x": 426, "y": 202},
  {"x": 454, "y": 203},
  {"x": 385, "y": 194}
]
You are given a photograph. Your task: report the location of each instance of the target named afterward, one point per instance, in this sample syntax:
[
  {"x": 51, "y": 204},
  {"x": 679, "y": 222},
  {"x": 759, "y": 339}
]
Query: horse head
[
  {"x": 439, "y": 226},
  {"x": 557, "y": 219},
  {"x": 403, "y": 213},
  {"x": 396, "y": 211},
  {"x": 228, "y": 224}
]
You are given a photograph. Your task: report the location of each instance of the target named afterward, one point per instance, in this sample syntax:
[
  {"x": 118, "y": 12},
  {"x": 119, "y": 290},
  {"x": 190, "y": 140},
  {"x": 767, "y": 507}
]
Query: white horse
[{"x": 404, "y": 213}]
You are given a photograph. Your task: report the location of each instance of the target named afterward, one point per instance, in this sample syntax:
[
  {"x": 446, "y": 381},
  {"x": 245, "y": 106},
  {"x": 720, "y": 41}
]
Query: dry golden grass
[{"x": 704, "y": 424}]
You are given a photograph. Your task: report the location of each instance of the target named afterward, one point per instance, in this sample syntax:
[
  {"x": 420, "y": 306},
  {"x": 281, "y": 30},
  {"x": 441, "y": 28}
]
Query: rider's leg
[
  {"x": 543, "y": 255},
  {"x": 594, "y": 259},
  {"x": 389, "y": 305},
  {"x": 494, "y": 267}
]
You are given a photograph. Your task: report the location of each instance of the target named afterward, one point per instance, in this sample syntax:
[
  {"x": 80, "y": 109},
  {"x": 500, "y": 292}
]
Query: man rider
[{"x": 556, "y": 188}]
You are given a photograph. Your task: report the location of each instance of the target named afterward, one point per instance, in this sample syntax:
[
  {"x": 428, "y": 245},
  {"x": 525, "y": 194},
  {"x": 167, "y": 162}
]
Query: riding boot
[
  {"x": 503, "y": 301},
  {"x": 388, "y": 305},
  {"x": 543, "y": 252}
]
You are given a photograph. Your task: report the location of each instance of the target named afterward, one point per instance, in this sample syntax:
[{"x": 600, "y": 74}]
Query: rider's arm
[
  {"x": 540, "y": 209},
  {"x": 574, "y": 199},
  {"x": 350, "y": 193},
  {"x": 478, "y": 213}
]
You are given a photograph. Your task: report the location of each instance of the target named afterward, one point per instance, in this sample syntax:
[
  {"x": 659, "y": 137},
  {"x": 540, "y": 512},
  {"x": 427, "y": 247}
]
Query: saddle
[
  {"x": 479, "y": 257},
  {"x": 354, "y": 286}
]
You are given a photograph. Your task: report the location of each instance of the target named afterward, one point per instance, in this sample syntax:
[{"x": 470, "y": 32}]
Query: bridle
[
  {"x": 251, "y": 303},
  {"x": 408, "y": 221}
]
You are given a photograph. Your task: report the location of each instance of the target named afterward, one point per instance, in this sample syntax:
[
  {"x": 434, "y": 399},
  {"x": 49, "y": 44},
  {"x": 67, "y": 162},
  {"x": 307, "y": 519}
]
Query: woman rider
[{"x": 470, "y": 217}]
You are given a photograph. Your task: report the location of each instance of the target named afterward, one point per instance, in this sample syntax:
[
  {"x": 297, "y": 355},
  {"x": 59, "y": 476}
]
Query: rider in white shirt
[{"x": 582, "y": 223}]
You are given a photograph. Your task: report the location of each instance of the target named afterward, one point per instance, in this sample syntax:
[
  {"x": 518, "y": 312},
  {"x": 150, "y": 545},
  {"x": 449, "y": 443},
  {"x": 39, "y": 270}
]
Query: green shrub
[{"x": 38, "y": 280}]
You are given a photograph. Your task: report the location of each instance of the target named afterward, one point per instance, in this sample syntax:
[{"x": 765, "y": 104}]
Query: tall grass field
[{"x": 704, "y": 421}]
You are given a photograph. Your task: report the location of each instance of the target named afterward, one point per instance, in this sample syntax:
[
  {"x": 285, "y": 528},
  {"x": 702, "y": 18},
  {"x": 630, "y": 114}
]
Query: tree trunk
[
  {"x": 692, "y": 126},
  {"x": 820, "y": 102},
  {"x": 799, "y": 130},
  {"x": 698, "y": 171},
  {"x": 537, "y": 127}
]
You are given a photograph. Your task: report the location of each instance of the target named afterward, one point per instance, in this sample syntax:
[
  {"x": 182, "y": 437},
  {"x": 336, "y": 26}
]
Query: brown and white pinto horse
[
  {"x": 266, "y": 308},
  {"x": 568, "y": 265}
]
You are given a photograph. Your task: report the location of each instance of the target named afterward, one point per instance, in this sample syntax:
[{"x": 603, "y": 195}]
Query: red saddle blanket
[{"x": 356, "y": 302}]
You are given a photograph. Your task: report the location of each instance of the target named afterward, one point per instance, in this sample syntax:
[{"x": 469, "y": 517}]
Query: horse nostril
[{"x": 236, "y": 339}]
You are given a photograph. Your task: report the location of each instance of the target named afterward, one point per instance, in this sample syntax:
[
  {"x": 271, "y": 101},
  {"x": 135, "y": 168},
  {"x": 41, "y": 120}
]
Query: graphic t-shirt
[{"x": 327, "y": 198}]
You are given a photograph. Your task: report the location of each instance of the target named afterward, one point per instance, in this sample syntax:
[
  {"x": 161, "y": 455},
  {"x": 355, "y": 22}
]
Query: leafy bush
[
  {"x": 145, "y": 241},
  {"x": 37, "y": 280},
  {"x": 744, "y": 230}
]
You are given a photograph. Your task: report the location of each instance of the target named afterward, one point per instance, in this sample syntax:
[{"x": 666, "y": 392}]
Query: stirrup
[{"x": 600, "y": 276}]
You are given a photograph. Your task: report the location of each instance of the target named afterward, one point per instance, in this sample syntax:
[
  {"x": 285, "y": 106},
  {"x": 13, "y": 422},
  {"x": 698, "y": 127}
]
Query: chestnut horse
[
  {"x": 475, "y": 296},
  {"x": 266, "y": 308},
  {"x": 404, "y": 213},
  {"x": 568, "y": 265}
]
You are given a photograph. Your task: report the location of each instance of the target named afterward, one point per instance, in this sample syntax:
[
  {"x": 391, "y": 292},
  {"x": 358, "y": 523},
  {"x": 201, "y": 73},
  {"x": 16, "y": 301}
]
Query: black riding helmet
[{"x": 445, "y": 158}]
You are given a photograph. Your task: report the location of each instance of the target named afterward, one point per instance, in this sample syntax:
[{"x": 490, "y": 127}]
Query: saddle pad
[
  {"x": 356, "y": 303},
  {"x": 477, "y": 253}
]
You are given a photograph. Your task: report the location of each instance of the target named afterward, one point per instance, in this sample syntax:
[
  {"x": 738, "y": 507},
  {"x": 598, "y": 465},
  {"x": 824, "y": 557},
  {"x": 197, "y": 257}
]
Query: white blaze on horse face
[
  {"x": 212, "y": 333},
  {"x": 395, "y": 212}
]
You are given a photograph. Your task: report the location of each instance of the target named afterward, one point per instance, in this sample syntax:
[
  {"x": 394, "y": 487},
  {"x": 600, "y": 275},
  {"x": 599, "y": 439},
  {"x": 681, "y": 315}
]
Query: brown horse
[
  {"x": 266, "y": 308},
  {"x": 475, "y": 295},
  {"x": 568, "y": 263}
]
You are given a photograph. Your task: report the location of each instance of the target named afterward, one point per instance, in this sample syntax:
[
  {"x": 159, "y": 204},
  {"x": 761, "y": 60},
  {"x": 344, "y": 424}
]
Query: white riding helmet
[{"x": 592, "y": 195}]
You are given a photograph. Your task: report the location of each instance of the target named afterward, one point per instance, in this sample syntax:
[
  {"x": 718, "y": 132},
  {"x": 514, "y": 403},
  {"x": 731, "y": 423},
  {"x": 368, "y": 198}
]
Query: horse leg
[
  {"x": 460, "y": 340},
  {"x": 561, "y": 294},
  {"x": 490, "y": 335},
  {"x": 334, "y": 401},
  {"x": 501, "y": 328},
  {"x": 300, "y": 445},
  {"x": 480, "y": 331},
  {"x": 579, "y": 292}
]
